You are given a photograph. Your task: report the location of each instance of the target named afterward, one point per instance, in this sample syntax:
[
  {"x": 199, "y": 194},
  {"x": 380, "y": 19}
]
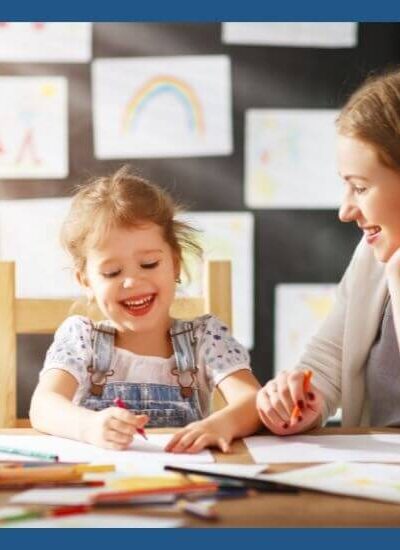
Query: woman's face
[{"x": 372, "y": 195}]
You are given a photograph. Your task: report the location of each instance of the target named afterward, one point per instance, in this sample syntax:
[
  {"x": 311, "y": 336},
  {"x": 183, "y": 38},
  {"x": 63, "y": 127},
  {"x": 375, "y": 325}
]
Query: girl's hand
[
  {"x": 113, "y": 428},
  {"x": 277, "y": 399},
  {"x": 197, "y": 436}
]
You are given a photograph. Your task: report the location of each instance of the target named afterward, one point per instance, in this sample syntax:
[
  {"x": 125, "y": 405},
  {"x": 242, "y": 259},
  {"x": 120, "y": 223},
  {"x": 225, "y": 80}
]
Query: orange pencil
[{"x": 296, "y": 413}]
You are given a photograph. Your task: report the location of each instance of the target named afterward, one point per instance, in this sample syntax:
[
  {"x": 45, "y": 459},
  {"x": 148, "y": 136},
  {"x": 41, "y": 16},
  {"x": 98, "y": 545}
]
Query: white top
[{"x": 218, "y": 355}]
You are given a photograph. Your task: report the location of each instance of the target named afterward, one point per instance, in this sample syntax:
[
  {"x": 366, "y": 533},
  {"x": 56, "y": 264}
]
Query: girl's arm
[
  {"x": 238, "y": 419},
  {"x": 53, "y": 412}
]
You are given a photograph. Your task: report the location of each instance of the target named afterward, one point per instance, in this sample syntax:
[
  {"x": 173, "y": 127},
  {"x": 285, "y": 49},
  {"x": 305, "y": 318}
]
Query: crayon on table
[{"x": 118, "y": 402}]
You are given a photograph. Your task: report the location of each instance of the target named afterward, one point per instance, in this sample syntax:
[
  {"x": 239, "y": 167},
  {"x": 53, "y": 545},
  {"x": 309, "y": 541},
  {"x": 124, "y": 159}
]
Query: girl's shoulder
[
  {"x": 207, "y": 325},
  {"x": 76, "y": 322},
  {"x": 75, "y": 327}
]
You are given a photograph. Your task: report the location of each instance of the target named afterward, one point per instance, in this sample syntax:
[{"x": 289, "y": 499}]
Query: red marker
[{"x": 118, "y": 402}]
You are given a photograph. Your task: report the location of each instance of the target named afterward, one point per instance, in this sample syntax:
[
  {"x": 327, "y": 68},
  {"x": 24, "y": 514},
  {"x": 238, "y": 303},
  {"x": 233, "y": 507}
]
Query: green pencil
[{"x": 25, "y": 452}]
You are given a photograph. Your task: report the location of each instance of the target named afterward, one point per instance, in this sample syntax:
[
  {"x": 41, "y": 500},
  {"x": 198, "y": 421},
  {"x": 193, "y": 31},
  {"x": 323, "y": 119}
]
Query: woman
[{"x": 355, "y": 357}]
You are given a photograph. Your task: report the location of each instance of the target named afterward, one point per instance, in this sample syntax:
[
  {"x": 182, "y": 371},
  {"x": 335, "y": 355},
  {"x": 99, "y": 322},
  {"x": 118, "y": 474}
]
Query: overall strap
[
  {"x": 184, "y": 344},
  {"x": 103, "y": 346}
]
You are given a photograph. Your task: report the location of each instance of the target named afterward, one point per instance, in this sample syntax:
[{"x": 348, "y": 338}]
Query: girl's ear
[{"x": 81, "y": 279}]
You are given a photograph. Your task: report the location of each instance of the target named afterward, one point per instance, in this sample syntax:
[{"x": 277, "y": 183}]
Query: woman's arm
[{"x": 323, "y": 356}]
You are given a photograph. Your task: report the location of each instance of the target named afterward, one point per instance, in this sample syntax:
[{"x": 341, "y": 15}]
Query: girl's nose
[{"x": 128, "y": 282}]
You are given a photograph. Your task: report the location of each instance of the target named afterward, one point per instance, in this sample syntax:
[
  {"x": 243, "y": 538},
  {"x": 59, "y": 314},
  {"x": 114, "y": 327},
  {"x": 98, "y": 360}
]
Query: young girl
[
  {"x": 127, "y": 247},
  {"x": 355, "y": 358}
]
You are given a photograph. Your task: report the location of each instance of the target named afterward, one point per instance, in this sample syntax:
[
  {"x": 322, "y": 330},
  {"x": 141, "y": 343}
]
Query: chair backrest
[{"x": 43, "y": 316}]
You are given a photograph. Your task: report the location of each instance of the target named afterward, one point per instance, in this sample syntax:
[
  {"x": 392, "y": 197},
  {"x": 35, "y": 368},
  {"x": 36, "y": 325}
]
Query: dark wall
[{"x": 290, "y": 246}]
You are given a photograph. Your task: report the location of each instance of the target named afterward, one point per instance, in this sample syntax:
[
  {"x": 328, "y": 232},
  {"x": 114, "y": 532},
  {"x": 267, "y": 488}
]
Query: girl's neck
[{"x": 152, "y": 343}]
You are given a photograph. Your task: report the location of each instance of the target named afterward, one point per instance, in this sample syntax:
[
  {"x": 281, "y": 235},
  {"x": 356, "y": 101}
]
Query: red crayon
[{"x": 118, "y": 402}]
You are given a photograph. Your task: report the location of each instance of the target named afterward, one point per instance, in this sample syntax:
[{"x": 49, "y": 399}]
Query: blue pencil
[{"x": 25, "y": 452}]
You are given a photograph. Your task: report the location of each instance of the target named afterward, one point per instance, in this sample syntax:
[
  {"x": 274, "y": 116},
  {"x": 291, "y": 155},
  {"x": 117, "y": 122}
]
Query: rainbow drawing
[{"x": 165, "y": 84}]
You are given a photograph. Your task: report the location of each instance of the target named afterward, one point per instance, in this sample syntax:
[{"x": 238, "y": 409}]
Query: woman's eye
[
  {"x": 150, "y": 265},
  {"x": 360, "y": 190},
  {"x": 111, "y": 274}
]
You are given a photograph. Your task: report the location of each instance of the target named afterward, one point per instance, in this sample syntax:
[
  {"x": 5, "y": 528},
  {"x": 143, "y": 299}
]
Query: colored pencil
[
  {"x": 118, "y": 402},
  {"x": 296, "y": 412},
  {"x": 26, "y": 452}
]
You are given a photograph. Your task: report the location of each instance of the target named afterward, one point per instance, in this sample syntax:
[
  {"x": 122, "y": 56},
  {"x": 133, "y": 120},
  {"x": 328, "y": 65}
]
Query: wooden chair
[{"x": 43, "y": 316}]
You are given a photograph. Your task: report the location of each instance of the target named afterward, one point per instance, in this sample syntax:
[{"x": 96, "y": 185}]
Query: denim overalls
[{"x": 166, "y": 406}]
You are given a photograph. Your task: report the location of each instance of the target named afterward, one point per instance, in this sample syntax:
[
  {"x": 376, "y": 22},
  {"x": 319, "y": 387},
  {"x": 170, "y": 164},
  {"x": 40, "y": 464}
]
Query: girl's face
[
  {"x": 132, "y": 277},
  {"x": 371, "y": 197}
]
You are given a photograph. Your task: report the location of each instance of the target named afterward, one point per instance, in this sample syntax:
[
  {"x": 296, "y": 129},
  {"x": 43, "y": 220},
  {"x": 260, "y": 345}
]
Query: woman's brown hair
[{"x": 372, "y": 114}]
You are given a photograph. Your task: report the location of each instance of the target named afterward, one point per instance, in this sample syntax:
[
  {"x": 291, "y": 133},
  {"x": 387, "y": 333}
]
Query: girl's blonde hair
[
  {"x": 122, "y": 200},
  {"x": 372, "y": 114}
]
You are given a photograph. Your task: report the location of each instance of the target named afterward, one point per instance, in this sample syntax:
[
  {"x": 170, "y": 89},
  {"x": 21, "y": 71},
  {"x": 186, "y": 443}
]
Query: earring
[{"x": 178, "y": 280}]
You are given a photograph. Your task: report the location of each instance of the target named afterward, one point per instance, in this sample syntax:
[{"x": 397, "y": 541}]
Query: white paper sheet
[
  {"x": 227, "y": 236},
  {"x": 290, "y": 159},
  {"x": 45, "y": 42},
  {"x": 372, "y": 481},
  {"x": 319, "y": 35},
  {"x": 43, "y": 268},
  {"x": 98, "y": 521},
  {"x": 327, "y": 448},
  {"x": 162, "y": 107},
  {"x": 299, "y": 311},
  {"x": 33, "y": 127},
  {"x": 77, "y": 496},
  {"x": 74, "y": 451}
]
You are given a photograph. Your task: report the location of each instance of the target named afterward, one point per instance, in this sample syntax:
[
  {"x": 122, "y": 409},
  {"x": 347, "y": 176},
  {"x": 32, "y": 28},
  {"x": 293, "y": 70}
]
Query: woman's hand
[
  {"x": 199, "y": 435},
  {"x": 277, "y": 399},
  {"x": 113, "y": 428}
]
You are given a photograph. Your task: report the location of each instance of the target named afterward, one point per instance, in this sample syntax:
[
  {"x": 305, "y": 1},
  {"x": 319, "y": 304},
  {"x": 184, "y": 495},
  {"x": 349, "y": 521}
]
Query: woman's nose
[{"x": 348, "y": 212}]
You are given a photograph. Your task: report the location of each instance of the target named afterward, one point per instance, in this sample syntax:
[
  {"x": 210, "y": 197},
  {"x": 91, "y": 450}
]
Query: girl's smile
[{"x": 139, "y": 305}]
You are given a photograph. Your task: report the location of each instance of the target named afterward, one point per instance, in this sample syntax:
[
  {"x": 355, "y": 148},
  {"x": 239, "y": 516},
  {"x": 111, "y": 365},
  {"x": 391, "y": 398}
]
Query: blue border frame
[{"x": 206, "y": 10}]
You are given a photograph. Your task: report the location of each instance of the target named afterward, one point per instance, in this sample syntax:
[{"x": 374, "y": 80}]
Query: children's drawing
[
  {"x": 43, "y": 269},
  {"x": 317, "y": 35},
  {"x": 226, "y": 236},
  {"x": 299, "y": 311},
  {"x": 45, "y": 42},
  {"x": 163, "y": 85},
  {"x": 33, "y": 127},
  {"x": 372, "y": 481},
  {"x": 290, "y": 159},
  {"x": 162, "y": 107}
]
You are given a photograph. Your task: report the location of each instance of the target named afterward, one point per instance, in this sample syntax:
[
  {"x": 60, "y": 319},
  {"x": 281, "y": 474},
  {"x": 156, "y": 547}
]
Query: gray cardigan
[{"x": 337, "y": 353}]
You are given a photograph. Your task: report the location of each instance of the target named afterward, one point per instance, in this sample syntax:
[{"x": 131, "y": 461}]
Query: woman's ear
[{"x": 177, "y": 267}]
